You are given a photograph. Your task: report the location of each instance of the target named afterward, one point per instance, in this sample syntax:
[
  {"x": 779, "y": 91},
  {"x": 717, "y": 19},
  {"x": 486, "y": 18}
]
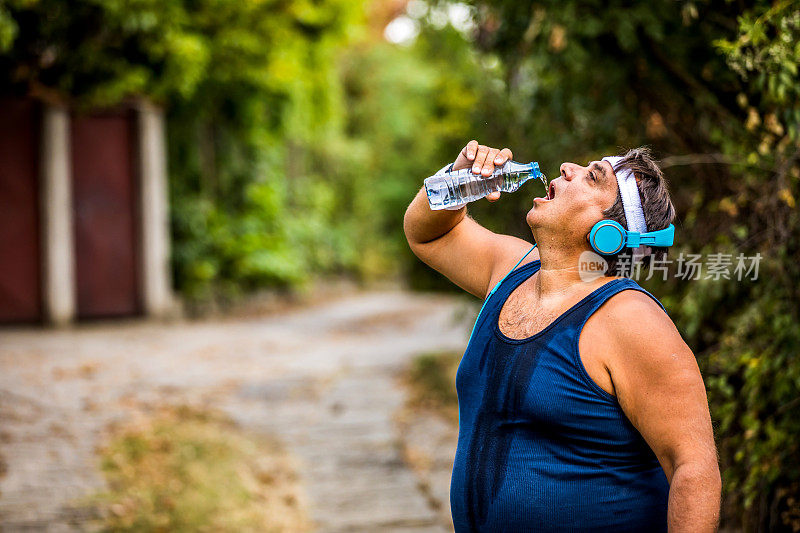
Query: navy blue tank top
[{"x": 541, "y": 447}]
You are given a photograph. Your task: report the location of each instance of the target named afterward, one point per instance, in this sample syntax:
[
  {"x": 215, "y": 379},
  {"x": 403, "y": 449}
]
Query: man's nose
[{"x": 568, "y": 170}]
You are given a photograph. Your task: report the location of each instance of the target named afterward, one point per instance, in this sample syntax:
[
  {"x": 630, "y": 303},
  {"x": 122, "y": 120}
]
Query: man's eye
[{"x": 594, "y": 178}]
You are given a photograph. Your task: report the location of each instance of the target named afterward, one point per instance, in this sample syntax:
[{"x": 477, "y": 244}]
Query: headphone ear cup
[{"x": 607, "y": 237}]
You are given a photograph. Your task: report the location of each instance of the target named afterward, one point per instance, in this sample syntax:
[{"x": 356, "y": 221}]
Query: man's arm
[
  {"x": 453, "y": 244},
  {"x": 660, "y": 389}
]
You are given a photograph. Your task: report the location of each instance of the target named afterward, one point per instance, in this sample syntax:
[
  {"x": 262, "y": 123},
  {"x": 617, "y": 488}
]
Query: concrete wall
[
  {"x": 58, "y": 248},
  {"x": 154, "y": 216},
  {"x": 57, "y": 211}
]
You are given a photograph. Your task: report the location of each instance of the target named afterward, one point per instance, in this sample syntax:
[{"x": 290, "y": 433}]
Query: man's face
[{"x": 575, "y": 201}]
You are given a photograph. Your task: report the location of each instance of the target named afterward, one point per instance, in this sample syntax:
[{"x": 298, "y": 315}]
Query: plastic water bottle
[{"x": 449, "y": 190}]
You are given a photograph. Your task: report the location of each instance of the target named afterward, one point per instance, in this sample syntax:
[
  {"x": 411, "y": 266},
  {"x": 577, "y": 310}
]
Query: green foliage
[
  {"x": 410, "y": 114},
  {"x": 8, "y": 29},
  {"x": 767, "y": 52},
  {"x": 253, "y": 192},
  {"x": 101, "y": 51},
  {"x": 296, "y": 163},
  {"x": 286, "y": 160},
  {"x": 252, "y": 93},
  {"x": 754, "y": 376}
]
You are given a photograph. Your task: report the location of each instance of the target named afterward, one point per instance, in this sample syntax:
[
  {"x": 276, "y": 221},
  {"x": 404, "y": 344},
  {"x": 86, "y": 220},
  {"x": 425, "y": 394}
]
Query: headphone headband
[{"x": 631, "y": 202}]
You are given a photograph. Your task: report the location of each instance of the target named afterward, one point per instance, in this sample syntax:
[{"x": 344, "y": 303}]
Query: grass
[
  {"x": 431, "y": 380},
  {"x": 182, "y": 469}
]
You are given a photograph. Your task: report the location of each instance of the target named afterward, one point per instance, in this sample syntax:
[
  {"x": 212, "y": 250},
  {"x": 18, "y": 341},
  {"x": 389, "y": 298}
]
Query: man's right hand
[
  {"x": 453, "y": 244},
  {"x": 483, "y": 160}
]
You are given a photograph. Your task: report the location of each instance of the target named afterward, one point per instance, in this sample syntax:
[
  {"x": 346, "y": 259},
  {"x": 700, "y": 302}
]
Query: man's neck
[{"x": 559, "y": 273}]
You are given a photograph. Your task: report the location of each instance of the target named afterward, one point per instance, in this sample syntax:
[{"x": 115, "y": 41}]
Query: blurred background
[{"x": 248, "y": 163}]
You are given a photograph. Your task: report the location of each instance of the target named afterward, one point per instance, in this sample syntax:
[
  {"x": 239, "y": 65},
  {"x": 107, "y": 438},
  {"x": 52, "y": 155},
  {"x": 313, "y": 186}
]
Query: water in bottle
[{"x": 457, "y": 188}]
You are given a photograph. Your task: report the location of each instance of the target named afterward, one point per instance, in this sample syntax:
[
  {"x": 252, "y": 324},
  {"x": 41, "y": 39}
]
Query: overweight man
[{"x": 580, "y": 406}]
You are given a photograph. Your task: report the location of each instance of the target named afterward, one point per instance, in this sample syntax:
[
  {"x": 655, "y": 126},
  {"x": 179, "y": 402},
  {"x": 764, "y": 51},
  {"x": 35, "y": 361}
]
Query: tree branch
[{"x": 707, "y": 159}]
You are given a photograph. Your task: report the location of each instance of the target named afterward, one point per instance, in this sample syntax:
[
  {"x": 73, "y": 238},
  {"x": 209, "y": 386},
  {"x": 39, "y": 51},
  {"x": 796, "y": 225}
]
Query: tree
[{"x": 250, "y": 88}]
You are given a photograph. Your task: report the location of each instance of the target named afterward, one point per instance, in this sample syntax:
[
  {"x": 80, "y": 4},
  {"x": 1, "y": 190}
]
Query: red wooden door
[
  {"x": 104, "y": 196},
  {"x": 20, "y": 289}
]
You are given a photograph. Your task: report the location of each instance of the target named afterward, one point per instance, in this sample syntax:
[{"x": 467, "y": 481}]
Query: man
[{"x": 581, "y": 408}]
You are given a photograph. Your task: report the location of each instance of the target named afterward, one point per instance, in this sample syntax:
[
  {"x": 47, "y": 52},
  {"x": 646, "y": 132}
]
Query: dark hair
[{"x": 656, "y": 204}]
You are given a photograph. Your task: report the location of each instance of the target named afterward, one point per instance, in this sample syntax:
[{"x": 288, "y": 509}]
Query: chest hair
[{"x": 524, "y": 315}]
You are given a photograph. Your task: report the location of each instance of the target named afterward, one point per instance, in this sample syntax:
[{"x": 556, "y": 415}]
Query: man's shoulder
[
  {"x": 634, "y": 299},
  {"x": 633, "y": 316},
  {"x": 637, "y": 337}
]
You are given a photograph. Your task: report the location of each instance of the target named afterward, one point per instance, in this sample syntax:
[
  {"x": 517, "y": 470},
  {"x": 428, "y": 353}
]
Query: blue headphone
[{"x": 608, "y": 237}]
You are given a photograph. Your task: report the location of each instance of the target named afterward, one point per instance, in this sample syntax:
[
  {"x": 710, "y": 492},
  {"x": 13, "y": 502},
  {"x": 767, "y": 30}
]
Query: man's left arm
[{"x": 660, "y": 389}]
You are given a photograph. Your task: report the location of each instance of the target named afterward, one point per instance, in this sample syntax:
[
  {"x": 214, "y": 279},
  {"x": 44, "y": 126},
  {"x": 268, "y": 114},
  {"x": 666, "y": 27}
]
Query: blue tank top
[{"x": 541, "y": 447}]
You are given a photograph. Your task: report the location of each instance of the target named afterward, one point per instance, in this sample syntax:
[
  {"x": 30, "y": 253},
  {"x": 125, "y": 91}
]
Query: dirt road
[{"x": 322, "y": 379}]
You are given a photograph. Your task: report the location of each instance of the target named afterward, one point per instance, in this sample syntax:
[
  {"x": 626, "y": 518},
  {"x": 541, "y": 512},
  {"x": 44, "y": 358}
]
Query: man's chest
[
  {"x": 523, "y": 314},
  {"x": 521, "y": 319}
]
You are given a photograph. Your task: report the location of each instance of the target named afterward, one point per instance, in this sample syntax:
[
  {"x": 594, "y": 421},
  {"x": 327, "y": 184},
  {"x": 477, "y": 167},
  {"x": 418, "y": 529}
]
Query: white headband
[{"x": 631, "y": 201}]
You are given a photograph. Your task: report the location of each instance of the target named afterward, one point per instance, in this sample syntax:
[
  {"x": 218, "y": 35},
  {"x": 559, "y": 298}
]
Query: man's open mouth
[{"x": 551, "y": 193}]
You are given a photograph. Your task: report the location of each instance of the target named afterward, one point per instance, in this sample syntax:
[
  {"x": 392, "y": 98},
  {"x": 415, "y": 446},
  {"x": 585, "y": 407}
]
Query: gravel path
[{"x": 322, "y": 379}]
